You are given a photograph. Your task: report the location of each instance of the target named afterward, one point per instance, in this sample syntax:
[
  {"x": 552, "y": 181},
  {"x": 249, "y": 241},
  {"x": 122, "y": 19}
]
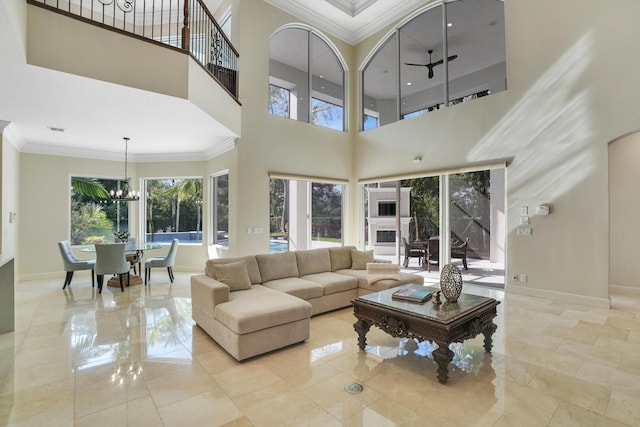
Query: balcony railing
[{"x": 183, "y": 24}]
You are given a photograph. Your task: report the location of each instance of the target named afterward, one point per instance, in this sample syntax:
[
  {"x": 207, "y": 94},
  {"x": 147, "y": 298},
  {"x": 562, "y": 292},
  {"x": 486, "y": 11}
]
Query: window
[
  {"x": 279, "y": 101},
  {"x": 386, "y": 236},
  {"x": 304, "y": 214},
  {"x": 94, "y": 218},
  {"x": 473, "y": 65},
  {"x": 326, "y": 114},
  {"x": 309, "y": 68},
  {"x": 370, "y": 122},
  {"x": 386, "y": 208},
  {"x": 173, "y": 210},
  {"x": 220, "y": 209}
]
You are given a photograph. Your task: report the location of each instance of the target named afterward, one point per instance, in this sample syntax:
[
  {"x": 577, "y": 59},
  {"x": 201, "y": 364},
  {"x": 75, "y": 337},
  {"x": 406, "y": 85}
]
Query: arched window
[
  {"x": 306, "y": 78},
  {"x": 451, "y": 52}
]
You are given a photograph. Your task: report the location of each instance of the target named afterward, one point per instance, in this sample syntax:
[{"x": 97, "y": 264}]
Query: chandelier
[{"x": 125, "y": 193}]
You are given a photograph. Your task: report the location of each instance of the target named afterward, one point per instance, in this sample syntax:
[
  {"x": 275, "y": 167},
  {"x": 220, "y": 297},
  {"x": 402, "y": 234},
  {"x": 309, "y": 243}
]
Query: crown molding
[
  {"x": 357, "y": 32},
  {"x": 221, "y": 148}
]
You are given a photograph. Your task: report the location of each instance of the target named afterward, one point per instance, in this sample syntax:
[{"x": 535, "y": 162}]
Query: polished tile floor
[{"x": 136, "y": 358}]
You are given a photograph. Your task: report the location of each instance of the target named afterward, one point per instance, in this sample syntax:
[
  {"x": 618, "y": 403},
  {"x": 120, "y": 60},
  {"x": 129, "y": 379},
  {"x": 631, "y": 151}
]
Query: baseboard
[
  {"x": 560, "y": 296},
  {"x": 624, "y": 290}
]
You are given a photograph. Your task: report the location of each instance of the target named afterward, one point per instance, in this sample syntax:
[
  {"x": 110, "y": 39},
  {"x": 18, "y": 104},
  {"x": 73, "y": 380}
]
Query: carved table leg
[
  {"x": 443, "y": 355},
  {"x": 362, "y": 327},
  {"x": 488, "y": 336}
]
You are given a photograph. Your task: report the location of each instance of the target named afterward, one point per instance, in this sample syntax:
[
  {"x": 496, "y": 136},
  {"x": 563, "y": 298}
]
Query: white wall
[
  {"x": 45, "y": 204},
  {"x": 9, "y": 169},
  {"x": 572, "y": 88}
]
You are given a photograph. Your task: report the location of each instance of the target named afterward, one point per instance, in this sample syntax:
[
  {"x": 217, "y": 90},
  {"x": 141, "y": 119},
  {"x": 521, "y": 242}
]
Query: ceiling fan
[{"x": 430, "y": 65}]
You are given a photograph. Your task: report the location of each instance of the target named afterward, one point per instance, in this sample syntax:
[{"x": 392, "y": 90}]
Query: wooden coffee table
[{"x": 443, "y": 324}]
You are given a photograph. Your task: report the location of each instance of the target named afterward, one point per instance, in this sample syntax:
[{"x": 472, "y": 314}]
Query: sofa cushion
[
  {"x": 277, "y": 266},
  {"x": 233, "y": 274},
  {"x": 313, "y": 261},
  {"x": 260, "y": 308},
  {"x": 359, "y": 259},
  {"x": 252, "y": 267},
  {"x": 297, "y": 287},
  {"x": 333, "y": 282},
  {"x": 381, "y": 285},
  {"x": 340, "y": 257}
]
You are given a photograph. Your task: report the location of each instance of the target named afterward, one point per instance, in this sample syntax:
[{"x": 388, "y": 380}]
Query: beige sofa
[{"x": 254, "y": 304}]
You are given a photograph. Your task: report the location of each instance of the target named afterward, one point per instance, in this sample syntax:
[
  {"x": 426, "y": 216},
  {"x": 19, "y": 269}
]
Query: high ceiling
[
  {"x": 96, "y": 115},
  {"x": 349, "y": 20}
]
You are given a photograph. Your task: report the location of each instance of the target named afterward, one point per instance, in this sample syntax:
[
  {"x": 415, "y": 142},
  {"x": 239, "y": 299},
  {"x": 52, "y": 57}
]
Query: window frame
[
  {"x": 213, "y": 208},
  {"x": 310, "y": 93}
]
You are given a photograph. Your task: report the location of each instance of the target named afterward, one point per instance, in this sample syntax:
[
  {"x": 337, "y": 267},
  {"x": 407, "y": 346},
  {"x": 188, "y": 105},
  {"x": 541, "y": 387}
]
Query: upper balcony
[{"x": 170, "y": 47}]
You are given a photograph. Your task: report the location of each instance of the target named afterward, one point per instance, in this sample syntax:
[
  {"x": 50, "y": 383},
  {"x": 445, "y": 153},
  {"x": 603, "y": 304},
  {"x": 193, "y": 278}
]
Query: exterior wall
[{"x": 388, "y": 223}]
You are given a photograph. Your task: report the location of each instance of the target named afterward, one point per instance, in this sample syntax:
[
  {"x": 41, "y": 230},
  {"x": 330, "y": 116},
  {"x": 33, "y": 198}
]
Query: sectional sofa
[{"x": 254, "y": 304}]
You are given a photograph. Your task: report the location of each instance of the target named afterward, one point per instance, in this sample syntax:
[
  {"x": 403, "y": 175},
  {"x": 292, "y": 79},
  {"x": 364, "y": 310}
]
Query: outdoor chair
[
  {"x": 72, "y": 263},
  {"x": 460, "y": 252},
  {"x": 111, "y": 259},
  {"x": 412, "y": 251},
  {"x": 432, "y": 253},
  {"x": 161, "y": 261}
]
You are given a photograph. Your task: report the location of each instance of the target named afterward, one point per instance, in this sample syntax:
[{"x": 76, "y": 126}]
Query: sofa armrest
[{"x": 207, "y": 292}]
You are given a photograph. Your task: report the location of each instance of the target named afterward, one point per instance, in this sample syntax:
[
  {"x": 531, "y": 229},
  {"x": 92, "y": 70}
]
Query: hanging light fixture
[{"x": 125, "y": 193}]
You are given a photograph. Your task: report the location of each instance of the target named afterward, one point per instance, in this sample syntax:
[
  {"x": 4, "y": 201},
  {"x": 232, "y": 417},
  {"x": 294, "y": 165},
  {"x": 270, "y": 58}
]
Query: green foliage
[{"x": 88, "y": 222}]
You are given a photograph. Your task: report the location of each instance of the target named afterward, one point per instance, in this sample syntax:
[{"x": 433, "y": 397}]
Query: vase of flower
[
  {"x": 451, "y": 282},
  {"x": 122, "y": 236}
]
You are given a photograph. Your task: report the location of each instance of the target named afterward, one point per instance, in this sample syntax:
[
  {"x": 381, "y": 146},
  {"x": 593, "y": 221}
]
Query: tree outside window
[
  {"x": 173, "y": 210},
  {"x": 220, "y": 211},
  {"x": 95, "y": 218}
]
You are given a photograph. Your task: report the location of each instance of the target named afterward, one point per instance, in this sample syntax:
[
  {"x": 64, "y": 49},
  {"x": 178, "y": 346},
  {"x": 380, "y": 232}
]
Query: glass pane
[
  {"x": 381, "y": 209},
  {"x": 326, "y": 215},
  {"x": 476, "y": 35},
  {"x": 288, "y": 68},
  {"x": 380, "y": 87},
  {"x": 278, "y": 215},
  {"x": 95, "y": 218},
  {"x": 421, "y": 59},
  {"x": 279, "y": 101},
  {"x": 220, "y": 188},
  {"x": 327, "y": 86},
  {"x": 470, "y": 195},
  {"x": 174, "y": 210}
]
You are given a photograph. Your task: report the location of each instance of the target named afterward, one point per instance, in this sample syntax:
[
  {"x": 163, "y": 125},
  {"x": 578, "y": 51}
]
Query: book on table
[{"x": 412, "y": 294}]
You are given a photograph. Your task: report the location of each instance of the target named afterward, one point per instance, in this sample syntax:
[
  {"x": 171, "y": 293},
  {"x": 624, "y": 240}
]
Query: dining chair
[
  {"x": 72, "y": 263},
  {"x": 162, "y": 261},
  {"x": 111, "y": 259},
  {"x": 133, "y": 256}
]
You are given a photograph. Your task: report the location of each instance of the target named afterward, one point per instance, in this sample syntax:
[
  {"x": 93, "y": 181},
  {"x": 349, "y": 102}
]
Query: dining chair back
[
  {"x": 111, "y": 259},
  {"x": 72, "y": 263},
  {"x": 165, "y": 261}
]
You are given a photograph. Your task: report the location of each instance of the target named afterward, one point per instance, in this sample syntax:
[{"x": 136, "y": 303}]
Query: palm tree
[
  {"x": 192, "y": 191},
  {"x": 89, "y": 187}
]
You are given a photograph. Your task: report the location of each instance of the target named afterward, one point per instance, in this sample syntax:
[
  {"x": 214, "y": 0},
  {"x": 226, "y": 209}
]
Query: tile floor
[{"x": 136, "y": 358}]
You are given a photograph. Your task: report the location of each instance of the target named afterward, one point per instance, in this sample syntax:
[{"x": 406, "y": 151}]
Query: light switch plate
[
  {"x": 524, "y": 210},
  {"x": 524, "y": 231}
]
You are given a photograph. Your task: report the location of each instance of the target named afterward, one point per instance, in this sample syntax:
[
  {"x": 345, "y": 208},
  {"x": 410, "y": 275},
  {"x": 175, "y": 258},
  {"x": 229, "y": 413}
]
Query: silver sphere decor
[{"x": 451, "y": 282}]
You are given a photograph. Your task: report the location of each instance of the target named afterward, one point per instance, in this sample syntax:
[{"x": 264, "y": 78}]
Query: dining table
[{"x": 134, "y": 253}]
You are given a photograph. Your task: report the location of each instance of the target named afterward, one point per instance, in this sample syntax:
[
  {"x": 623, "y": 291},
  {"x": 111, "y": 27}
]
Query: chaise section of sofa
[{"x": 249, "y": 321}]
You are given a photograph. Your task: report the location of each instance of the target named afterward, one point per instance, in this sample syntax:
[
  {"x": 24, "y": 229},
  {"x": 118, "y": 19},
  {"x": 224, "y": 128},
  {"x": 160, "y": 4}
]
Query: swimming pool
[{"x": 275, "y": 246}]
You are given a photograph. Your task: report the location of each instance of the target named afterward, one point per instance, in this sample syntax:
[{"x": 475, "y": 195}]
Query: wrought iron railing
[{"x": 186, "y": 25}]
